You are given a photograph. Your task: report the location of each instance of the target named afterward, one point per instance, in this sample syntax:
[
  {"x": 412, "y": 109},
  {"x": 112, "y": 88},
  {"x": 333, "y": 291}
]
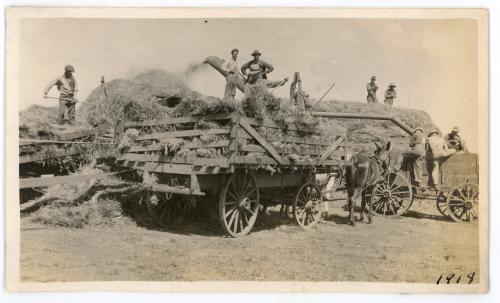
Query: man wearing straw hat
[
  {"x": 258, "y": 69},
  {"x": 66, "y": 85},
  {"x": 390, "y": 95}
]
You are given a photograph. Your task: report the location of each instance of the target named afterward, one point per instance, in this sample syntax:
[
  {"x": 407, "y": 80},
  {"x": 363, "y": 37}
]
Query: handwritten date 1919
[{"x": 456, "y": 279}]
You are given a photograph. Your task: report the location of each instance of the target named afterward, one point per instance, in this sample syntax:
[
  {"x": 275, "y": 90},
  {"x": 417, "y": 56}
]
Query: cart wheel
[
  {"x": 442, "y": 204},
  {"x": 239, "y": 204},
  {"x": 161, "y": 210},
  {"x": 306, "y": 206},
  {"x": 463, "y": 203},
  {"x": 393, "y": 196}
]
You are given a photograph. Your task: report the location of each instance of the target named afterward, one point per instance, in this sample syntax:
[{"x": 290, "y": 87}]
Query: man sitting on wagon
[{"x": 455, "y": 141}]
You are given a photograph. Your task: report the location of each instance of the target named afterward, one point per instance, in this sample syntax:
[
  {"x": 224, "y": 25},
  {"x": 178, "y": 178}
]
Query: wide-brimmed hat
[
  {"x": 418, "y": 128},
  {"x": 373, "y": 78},
  {"x": 392, "y": 85},
  {"x": 256, "y": 52},
  {"x": 432, "y": 132},
  {"x": 69, "y": 68},
  {"x": 455, "y": 129}
]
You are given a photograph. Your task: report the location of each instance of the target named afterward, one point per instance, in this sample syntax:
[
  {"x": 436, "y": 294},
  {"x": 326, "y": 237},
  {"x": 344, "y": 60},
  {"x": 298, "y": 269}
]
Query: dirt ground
[{"x": 417, "y": 247}]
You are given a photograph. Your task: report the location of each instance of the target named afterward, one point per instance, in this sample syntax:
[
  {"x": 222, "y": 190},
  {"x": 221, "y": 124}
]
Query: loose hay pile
[{"x": 41, "y": 121}]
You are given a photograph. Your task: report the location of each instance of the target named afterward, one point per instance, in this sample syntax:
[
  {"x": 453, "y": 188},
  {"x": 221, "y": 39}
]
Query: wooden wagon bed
[{"x": 239, "y": 159}]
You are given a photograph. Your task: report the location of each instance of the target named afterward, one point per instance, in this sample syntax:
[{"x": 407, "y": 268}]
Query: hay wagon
[{"x": 240, "y": 162}]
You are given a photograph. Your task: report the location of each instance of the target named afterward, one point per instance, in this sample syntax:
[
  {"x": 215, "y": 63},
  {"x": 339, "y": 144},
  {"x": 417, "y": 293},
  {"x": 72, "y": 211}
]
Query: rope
[{"x": 64, "y": 142}]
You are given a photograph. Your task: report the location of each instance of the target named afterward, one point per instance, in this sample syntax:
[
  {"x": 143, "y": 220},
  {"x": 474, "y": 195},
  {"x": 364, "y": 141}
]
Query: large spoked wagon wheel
[
  {"x": 306, "y": 206},
  {"x": 239, "y": 204},
  {"x": 162, "y": 211},
  {"x": 463, "y": 203},
  {"x": 393, "y": 196}
]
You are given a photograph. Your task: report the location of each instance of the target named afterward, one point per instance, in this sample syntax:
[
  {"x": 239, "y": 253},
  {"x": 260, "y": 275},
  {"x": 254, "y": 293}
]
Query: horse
[{"x": 362, "y": 173}]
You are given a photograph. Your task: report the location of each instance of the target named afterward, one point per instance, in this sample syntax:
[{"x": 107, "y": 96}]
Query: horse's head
[{"x": 382, "y": 154}]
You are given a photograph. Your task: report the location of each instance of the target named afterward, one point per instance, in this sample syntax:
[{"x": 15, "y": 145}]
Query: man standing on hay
[
  {"x": 231, "y": 67},
  {"x": 372, "y": 88},
  {"x": 66, "y": 85},
  {"x": 257, "y": 82}
]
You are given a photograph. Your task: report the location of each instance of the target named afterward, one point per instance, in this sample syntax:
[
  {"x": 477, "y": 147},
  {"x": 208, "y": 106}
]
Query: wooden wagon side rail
[
  {"x": 184, "y": 133},
  {"x": 179, "y": 120}
]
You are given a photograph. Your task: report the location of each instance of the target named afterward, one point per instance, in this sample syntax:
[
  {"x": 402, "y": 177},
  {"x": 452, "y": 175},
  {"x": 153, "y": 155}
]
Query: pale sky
[{"x": 432, "y": 62}]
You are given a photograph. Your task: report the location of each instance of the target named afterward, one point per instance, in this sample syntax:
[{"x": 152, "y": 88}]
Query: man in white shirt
[
  {"x": 66, "y": 85},
  {"x": 437, "y": 152},
  {"x": 231, "y": 66}
]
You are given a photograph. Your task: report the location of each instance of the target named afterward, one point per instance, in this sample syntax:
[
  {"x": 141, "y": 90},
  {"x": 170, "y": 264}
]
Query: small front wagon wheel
[
  {"x": 463, "y": 203},
  {"x": 239, "y": 204},
  {"x": 306, "y": 206}
]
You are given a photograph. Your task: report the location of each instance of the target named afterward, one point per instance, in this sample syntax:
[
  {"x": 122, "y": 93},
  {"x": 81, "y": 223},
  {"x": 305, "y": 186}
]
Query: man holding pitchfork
[{"x": 66, "y": 85}]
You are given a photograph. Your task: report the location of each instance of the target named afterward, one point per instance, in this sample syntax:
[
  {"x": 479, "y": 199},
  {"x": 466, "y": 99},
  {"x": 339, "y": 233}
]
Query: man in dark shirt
[
  {"x": 371, "y": 89},
  {"x": 258, "y": 69},
  {"x": 414, "y": 155},
  {"x": 453, "y": 140}
]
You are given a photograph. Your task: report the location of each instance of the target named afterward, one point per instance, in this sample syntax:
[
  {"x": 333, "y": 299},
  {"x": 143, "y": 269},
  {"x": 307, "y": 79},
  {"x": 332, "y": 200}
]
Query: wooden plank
[
  {"x": 47, "y": 156},
  {"x": 154, "y": 147},
  {"x": 186, "y": 169},
  {"x": 48, "y": 181},
  {"x": 180, "y": 120},
  {"x": 254, "y": 160},
  {"x": 220, "y": 143},
  {"x": 222, "y": 162},
  {"x": 331, "y": 149},
  {"x": 261, "y": 140},
  {"x": 176, "y": 190},
  {"x": 260, "y": 149},
  {"x": 77, "y": 134},
  {"x": 271, "y": 124},
  {"x": 185, "y": 133}
]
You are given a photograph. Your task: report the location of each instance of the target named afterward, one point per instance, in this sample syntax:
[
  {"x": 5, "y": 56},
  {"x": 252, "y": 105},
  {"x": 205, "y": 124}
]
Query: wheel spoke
[
  {"x": 462, "y": 195},
  {"x": 474, "y": 213},
  {"x": 233, "y": 195},
  {"x": 231, "y": 219},
  {"x": 250, "y": 192},
  {"x": 228, "y": 203},
  {"x": 230, "y": 211},
  {"x": 237, "y": 216},
  {"x": 240, "y": 219},
  {"x": 251, "y": 211},
  {"x": 245, "y": 217}
]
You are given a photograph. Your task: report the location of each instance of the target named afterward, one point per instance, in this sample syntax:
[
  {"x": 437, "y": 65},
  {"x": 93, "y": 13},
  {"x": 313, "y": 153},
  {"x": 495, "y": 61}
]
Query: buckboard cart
[{"x": 243, "y": 161}]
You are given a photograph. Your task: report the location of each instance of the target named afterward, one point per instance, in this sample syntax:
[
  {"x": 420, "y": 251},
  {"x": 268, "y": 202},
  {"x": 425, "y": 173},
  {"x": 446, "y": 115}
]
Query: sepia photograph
[{"x": 314, "y": 150}]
